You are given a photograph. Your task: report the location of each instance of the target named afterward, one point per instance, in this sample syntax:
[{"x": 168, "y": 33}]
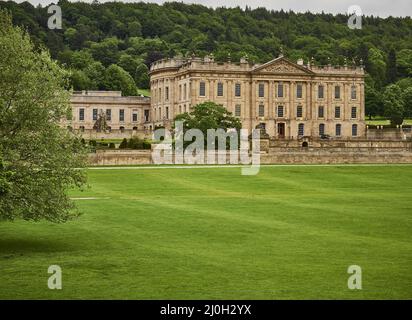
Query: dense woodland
[{"x": 111, "y": 46}]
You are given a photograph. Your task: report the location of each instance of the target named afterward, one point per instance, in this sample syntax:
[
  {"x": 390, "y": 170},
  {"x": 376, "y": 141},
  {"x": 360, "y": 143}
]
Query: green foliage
[
  {"x": 118, "y": 79},
  {"x": 5, "y": 177},
  {"x": 404, "y": 62},
  {"x": 407, "y": 101},
  {"x": 208, "y": 115},
  {"x": 106, "y": 51},
  {"x": 147, "y": 145},
  {"x": 80, "y": 80},
  {"x": 373, "y": 102},
  {"x": 377, "y": 66},
  {"x": 133, "y": 35},
  {"x": 404, "y": 83},
  {"x": 393, "y": 104},
  {"x": 38, "y": 158},
  {"x": 135, "y": 143},
  {"x": 112, "y": 145},
  {"x": 95, "y": 72},
  {"x": 391, "y": 71},
  {"x": 123, "y": 144}
]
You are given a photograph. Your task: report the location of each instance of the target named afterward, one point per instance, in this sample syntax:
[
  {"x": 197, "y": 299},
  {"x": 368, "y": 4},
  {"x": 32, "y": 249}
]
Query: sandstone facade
[{"x": 289, "y": 100}]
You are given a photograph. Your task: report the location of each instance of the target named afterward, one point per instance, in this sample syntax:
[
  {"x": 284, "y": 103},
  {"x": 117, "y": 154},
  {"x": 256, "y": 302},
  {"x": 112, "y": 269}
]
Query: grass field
[
  {"x": 145, "y": 92},
  {"x": 381, "y": 122},
  {"x": 289, "y": 232}
]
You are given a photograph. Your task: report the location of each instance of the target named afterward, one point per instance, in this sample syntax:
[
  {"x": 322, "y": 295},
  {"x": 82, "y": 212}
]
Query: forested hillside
[{"x": 110, "y": 46}]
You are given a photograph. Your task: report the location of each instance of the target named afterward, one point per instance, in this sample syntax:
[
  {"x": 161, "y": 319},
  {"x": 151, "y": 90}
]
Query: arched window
[
  {"x": 321, "y": 129},
  {"x": 134, "y": 128},
  {"x": 354, "y": 130},
  {"x": 338, "y": 130},
  {"x": 121, "y": 129},
  {"x": 301, "y": 129}
]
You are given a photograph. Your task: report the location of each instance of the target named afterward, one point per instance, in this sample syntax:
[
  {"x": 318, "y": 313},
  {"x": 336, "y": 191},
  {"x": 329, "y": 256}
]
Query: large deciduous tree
[
  {"x": 391, "y": 72},
  {"x": 373, "y": 102},
  {"x": 118, "y": 79},
  {"x": 39, "y": 159},
  {"x": 407, "y": 101},
  {"x": 377, "y": 66},
  {"x": 394, "y": 107},
  {"x": 209, "y": 115}
]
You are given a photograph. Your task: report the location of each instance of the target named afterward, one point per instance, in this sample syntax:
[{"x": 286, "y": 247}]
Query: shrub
[
  {"x": 112, "y": 145},
  {"x": 93, "y": 143},
  {"x": 123, "y": 144},
  {"x": 147, "y": 145},
  {"x": 135, "y": 143}
]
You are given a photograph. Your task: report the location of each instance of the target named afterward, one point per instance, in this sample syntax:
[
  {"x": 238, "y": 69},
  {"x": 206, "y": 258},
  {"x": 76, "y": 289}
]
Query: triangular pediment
[{"x": 282, "y": 65}]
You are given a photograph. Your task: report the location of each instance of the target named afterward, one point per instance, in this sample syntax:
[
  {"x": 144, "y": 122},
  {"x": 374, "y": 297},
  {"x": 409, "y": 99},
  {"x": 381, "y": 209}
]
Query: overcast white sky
[{"x": 381, "y": 8}]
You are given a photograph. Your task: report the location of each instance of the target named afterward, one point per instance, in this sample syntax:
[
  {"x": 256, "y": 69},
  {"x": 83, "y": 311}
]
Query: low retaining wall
[
  {"x": 335, "y": 156},
  {"x": 340, "y": 143},
  {"x": 389, "y": 133},
  {"x": 275, "y": 155},
  {"x": 120, "y": 157},
  {"x": 115, "y": 134}
]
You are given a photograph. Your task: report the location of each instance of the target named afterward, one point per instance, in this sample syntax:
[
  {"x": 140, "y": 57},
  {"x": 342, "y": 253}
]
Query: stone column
[
  {"x": 194, "y": 83},
  {"x": 362, "y": 110},
  {"x": 362, "y": 101},
  {"x": 253, "y": 103},
  {"x": 308, "y": 95},
  {"x": 230, "y": 94},
  {"x": 212, "y": 90},
  {"x": 345, "y": 103},
  {"x": 246, "y": 108},
  {"x": 292, "y": 93},
  {"x": 270, "y": 113}
]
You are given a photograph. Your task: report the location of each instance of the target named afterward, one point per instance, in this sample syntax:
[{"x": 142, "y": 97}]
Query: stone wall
[
  {"x": 120, "y": 157},
  {"x": 337, "y": 155},
  {"x": 115, "y": 134},
  {"x": 389, "y": 134},
  {"x": 339, "y": 143},
  {"x": 285, "y": 155}
]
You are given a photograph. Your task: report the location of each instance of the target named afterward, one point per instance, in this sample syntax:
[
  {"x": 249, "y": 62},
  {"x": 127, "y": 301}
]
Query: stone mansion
[{"x": 289, "y": 100}]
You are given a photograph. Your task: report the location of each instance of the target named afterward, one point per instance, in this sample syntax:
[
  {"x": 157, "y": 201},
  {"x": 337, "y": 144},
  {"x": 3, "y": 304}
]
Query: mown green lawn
[
  {"x": 145, "y": 92},
  {"x": 289, "y": 232},
  {"x": 381, "y": 122}
]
